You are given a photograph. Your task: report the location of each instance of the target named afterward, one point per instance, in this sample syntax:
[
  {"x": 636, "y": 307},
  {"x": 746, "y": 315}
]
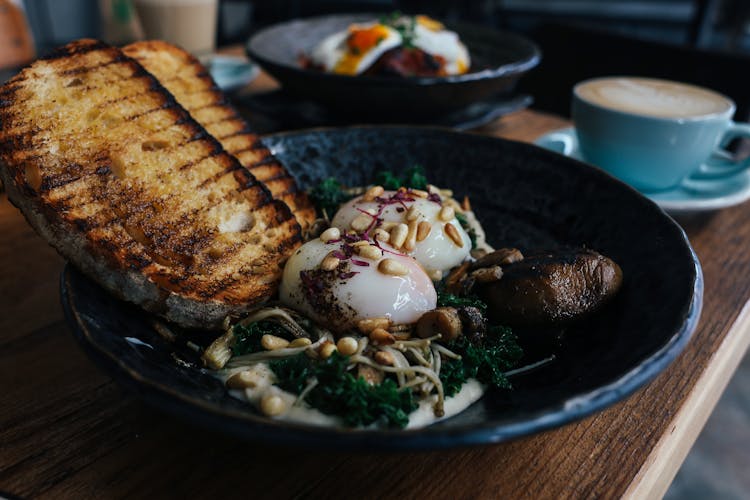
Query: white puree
[{"x": 424, "y": 415}]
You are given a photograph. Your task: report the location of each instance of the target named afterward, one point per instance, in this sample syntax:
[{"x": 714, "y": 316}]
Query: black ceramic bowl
[
  {"x": 526, "y": 197},
  {"x": 498, "y": 60}
]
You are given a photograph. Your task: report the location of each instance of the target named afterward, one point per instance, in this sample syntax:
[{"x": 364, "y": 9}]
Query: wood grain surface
[{"x": 67, "y": 431}]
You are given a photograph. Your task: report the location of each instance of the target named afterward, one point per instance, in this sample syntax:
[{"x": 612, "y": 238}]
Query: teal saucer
[{"x": 681, "y": 200}]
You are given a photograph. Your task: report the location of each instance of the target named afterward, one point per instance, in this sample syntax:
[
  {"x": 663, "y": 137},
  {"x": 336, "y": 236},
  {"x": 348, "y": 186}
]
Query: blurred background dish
[
  {"x": 278, "y": 110},
  {"x": 499, "y": 59}
]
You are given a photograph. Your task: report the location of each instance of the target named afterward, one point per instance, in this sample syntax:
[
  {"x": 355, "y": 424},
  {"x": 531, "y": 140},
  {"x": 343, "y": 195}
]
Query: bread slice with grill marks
[
  {"x": 127, "y": 186},
  {"x": 192, "y": 86}
]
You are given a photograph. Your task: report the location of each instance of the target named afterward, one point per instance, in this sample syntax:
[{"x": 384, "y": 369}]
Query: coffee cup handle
[
  {"x": 722, "y": 164},
  {"x": 559, "y": 142}
]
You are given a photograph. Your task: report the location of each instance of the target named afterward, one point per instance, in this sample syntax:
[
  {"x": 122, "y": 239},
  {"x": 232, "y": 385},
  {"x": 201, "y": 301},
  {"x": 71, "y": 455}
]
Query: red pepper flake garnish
[
  {"x": 346, "y": 276},
  {"x": 362, "y": 263}
]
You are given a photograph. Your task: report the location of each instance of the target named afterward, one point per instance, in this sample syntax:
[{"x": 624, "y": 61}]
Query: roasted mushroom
[{"x": 551, "y": 289}]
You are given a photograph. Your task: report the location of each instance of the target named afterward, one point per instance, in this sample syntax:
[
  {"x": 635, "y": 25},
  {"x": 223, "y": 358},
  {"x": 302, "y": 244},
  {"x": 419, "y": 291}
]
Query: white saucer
[
  {"x": 230, "y": 72},
  {"x": 726, "y": 193}
]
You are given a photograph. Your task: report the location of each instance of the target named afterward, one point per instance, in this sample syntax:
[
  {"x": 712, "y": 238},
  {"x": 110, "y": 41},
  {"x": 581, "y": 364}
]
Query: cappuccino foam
[{"x": 651, "y": 97}]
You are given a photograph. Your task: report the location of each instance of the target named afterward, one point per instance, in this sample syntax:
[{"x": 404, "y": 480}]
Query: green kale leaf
[
  {"x": 387, "y": 179},
  {"x": 461, "y": 218},
  {"x": 327, "y": 196},
  {"x": 445, "y": 299},
  {"x": 486, "y": 361},
  {"x": 413, "y": 177},
  {"x": 247, "y": 337},
  {"x": 339, "y": 393}
]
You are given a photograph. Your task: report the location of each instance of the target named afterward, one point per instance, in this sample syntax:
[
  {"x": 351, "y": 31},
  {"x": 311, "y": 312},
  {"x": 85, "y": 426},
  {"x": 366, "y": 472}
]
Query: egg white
[
  {"x": 332, "y": 49},
  {"x": 445, "y": 44},
  {"x": 437, "y": 252},
  {"x": 367, "y": 294}
]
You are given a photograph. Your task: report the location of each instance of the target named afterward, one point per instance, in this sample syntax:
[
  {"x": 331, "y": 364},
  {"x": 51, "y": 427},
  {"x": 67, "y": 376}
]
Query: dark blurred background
[{"x": 706, "y": 42}]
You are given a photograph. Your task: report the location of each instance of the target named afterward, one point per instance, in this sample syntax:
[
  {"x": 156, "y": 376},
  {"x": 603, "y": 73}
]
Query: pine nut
[
  {"x": 330, "y": 263},
  {"x": 347, "y": 346},
  {"x": 369, "y": 324},
  {"x": 326, "y": 350},
  {"x": 401, "y": 335},
  {"x": 373, "y": 193},
  {"x": 381, "y": 337},
  {"x": 382, "y": 235},
  {"x": 433, "y": 189},
  {"x": 419, "y": 193},
  {"x": 369, "y": 252},
  {"x": 371, "y": 211},
  {"x": 398, "y": 235},
  {"x": 446, "y": 193},
  {"x": 371, "y": 375},
  {"x": 412, "y": 213},
  {"x": 300, "y": 342},
  {"x": 272, "y": 405},
  {"x": 411, "y": 236},
  {"x": 272, "y": 342},
  {"x": 435, "y": 274},
  {"x": 388, "y": 225},
  {"x": 330, "y": 234},
  {"x": 446, "y": 213},
  {"x": 452, "y": 233},
  {"x": 392, "y": 267},
  {"x": 453, "y": 204},
  {"x": 384, "y": 358},
  {"x": 361, "y": 222},
  {"x": 242, "y": 380},
  {"x": 423, "y": 230},
  {"x": 360, "y": 243}
]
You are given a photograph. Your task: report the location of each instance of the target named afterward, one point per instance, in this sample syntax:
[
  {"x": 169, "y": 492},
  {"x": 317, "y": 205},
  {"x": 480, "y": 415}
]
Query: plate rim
[{"x": 251, "y": 426}]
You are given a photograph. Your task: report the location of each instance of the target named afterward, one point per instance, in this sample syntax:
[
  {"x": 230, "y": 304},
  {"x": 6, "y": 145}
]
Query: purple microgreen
[{"x": 435, "y": 197}]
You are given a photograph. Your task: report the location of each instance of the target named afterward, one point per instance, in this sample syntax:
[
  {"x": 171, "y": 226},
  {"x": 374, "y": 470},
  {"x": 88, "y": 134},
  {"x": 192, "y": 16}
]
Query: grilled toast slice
[
  {"x": 127, "y": 186},
  {"x": 192, "y": 86}
]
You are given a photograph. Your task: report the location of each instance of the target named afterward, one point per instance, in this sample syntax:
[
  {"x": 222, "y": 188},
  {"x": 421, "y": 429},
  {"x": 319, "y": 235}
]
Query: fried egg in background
[{"x": 355, "y": 50}]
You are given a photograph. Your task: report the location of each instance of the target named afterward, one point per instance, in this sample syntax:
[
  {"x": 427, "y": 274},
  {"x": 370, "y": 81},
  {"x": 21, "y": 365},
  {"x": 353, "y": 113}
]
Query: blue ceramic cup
[{"x": 656, "y": 134}]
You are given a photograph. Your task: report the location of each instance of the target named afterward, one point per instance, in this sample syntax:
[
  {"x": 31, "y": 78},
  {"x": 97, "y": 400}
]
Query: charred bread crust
[
  {"x": 191, "y": 84},
  {"x": 118, "y": 177}
]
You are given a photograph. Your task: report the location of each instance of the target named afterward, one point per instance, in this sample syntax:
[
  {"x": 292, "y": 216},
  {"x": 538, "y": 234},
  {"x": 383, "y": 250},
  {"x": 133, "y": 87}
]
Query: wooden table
[{"x": 66, "y": 430}]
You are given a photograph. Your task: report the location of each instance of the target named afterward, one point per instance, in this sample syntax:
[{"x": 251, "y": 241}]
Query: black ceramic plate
[
  {"x": 277, "y": 110},
  {"x": 498, "y": 60},
  {"x": 525, "y": 196}
]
